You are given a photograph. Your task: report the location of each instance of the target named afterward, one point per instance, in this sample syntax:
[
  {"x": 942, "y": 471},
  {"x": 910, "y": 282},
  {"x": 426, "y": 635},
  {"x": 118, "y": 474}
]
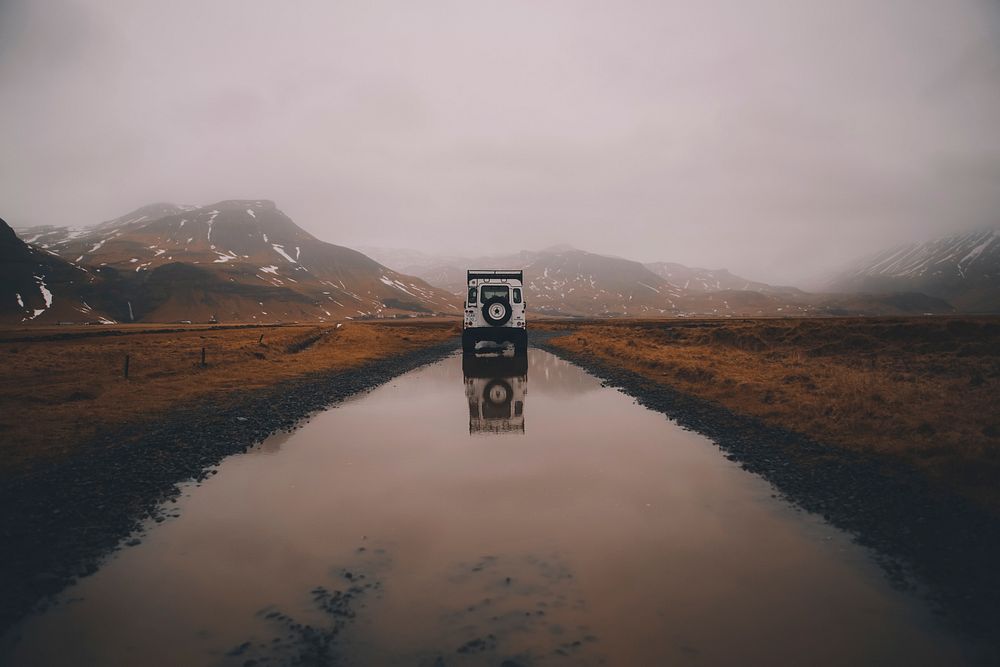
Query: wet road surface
[{"x": 512, "y": 512}]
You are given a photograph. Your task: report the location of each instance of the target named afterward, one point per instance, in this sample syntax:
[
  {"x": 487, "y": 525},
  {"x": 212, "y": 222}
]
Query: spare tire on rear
[{"x": 496, "y": 311}]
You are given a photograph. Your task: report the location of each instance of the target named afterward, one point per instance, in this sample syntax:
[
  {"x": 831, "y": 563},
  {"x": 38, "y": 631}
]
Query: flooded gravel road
[{"x": 514, "y": 512}]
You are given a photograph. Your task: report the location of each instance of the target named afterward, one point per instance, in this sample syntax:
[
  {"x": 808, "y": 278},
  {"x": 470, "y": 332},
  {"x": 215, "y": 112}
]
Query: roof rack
[{"x": 494, "y": 274}]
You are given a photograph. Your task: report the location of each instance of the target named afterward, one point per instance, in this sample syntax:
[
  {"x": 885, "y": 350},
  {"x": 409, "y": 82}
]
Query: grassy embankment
[
  {"x": 922, "y": 390},
  {"x": 60, "y": 385}
]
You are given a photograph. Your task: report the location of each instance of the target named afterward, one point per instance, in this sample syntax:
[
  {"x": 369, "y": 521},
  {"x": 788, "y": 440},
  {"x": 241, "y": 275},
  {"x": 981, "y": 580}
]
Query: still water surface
[{"x": 470, "y": 525}]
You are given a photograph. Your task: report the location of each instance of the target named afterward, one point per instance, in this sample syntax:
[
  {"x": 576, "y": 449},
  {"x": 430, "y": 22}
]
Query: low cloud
[{"x": 777, "y": 139}]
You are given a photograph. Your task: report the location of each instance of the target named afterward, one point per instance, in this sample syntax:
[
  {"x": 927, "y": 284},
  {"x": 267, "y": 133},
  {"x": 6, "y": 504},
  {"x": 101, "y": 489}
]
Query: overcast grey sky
[{"x": 775, "y": 138}]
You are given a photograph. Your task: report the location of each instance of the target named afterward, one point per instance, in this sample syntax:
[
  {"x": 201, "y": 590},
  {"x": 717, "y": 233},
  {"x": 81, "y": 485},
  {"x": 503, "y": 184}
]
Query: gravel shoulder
[
  {"x": 923, "y": 536},
  {"x": 59, "y": 520}
]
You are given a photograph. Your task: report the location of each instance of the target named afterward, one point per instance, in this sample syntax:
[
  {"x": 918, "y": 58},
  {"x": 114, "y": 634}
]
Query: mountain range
[
  {"x": 565, "y": 281},
  {"x": 30, "y": 279},
  {"x": 238, "y": 260},
  {"x": 963, "y": 269},
  {"x": 246, "y": 261}
]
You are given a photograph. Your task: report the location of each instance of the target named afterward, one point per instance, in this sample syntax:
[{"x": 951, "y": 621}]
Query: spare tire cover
[{"x": 496, "y": 311}]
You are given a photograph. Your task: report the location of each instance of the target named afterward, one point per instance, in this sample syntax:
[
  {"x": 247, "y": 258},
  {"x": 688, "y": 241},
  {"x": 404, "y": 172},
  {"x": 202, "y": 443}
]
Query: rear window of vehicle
[
  {"x": 490, "y": 291},
  {"x": 472, "y": 296},
  {"x": 517, "y": 295}
]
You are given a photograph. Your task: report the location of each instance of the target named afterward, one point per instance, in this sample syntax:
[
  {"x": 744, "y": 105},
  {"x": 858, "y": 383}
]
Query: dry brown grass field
[
  {"x": 924, "y": 390},
  {"x": 61, "y": 385}
]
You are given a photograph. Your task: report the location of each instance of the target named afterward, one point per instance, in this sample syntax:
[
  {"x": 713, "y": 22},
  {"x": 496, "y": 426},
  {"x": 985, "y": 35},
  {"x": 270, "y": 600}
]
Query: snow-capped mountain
[
  {"x": 563, "y": 280},
  {"x": 37, "y": 286},
  {"x": 577, "y": 282},
  {"x": 963, "y": 269},
  {"x": 574, "y": 282},
  {"x": 707, "y": 280},
  {"x": 444, "y": 271},
  {"x": 239, "y": 260}
]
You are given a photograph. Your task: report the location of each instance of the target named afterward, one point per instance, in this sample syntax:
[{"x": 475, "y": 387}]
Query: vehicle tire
[{"x": 497, "y": 311}]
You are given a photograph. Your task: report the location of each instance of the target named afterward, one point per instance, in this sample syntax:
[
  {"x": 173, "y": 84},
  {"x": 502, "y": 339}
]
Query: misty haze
[
  {"x": 466, "y": 332},
  {"x": 775, "y": 139}
]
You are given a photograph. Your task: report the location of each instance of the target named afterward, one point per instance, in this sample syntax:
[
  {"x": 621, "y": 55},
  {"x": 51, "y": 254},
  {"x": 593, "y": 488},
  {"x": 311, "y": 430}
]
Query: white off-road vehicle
[{"x": 494, "y": 310}]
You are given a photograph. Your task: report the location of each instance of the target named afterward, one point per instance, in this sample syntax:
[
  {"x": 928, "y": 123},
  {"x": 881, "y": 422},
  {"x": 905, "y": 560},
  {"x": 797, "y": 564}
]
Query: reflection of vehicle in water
[{"x": 496, "y": 387}]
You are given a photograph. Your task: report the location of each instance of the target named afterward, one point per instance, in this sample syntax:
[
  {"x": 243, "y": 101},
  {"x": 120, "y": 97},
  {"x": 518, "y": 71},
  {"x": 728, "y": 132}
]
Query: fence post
[
  {"x": 126, "y": 366},
  {"x": 202, "y": 357},
  {"x": 261, "y": 339}
]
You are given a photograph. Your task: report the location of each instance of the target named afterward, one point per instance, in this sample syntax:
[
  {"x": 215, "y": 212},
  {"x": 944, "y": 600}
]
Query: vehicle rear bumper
[{"x": 515, "y": 335}]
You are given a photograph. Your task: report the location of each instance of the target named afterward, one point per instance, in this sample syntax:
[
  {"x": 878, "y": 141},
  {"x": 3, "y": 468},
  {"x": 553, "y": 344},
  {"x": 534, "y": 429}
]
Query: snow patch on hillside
[
  {"x": 211, "y": 221},
  {"x": 46, "y": 297},
  {"x": 280, "y": 249}
]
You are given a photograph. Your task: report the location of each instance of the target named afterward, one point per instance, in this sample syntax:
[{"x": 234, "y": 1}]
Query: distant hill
[
  {"x": 707, "y": 280},
  {"x": 245, "y": 260},
  {"x": 239, "y": 260},
  {"x": 441, "y": 270},
  {"x": 562, "y": 280},
  {"x": 963, "y": 269}
]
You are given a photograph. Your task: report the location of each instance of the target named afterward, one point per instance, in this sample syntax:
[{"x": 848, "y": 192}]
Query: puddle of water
[{"x": 445, "y": 519}]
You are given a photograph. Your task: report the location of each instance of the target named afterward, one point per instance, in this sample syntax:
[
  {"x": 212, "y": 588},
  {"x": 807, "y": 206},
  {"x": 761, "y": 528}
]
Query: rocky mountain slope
[
  {"x": 37, "y": 286},
  {"x": 240, "y": 260},
  {"x": 445, "y": 271},
  {"x": 964, "y": 269},
  {"x": 566, "y": 281},
  {"x": 707, "y": 280},
  {"x": 245, "y": 260}
]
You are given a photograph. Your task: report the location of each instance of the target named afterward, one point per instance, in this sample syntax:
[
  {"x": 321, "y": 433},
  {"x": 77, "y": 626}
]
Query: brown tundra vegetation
[{"x": 60, "y": 386}]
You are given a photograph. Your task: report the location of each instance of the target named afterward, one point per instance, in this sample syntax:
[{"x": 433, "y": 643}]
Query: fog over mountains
[
  {"x": 246, "y": 261},
  {"x": 565, "y": 281},
  {"x": 239, "y": 260},
  {"x": 779, "y": 139},
  {"x": 961, "y": 268}
]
